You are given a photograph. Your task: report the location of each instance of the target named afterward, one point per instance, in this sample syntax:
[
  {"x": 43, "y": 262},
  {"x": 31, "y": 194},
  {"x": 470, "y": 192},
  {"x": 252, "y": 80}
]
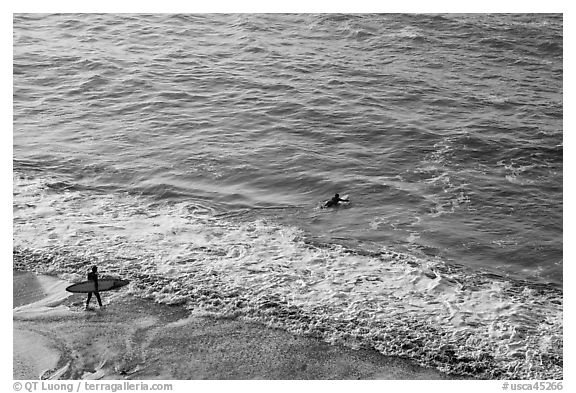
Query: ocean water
[{"x": 191, "y": 154}]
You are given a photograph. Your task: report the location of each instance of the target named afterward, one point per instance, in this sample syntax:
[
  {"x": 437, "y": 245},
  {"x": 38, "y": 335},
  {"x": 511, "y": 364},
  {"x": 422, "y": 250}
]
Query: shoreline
[{"x": 134, "y": 338}]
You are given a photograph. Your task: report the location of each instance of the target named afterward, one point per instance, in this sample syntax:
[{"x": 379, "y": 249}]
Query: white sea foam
[
  {"x": 51, "y": 305},
  {"x": 180, "y": 253}
]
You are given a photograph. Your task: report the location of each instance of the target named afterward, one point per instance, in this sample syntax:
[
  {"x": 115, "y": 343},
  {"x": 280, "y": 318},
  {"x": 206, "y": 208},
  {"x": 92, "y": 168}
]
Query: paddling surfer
[
  {"x": 334, "y": 201},
  {"x": 93, "y": 276}
]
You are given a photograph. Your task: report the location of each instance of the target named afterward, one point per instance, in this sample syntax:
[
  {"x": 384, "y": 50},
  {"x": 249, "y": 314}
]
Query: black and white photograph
[{"x": 288, "y": 196}]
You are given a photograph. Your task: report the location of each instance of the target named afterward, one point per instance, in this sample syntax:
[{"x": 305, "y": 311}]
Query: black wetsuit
[
  {"x": 93, "y": 277},
  {"x": 334, "y": 201}
]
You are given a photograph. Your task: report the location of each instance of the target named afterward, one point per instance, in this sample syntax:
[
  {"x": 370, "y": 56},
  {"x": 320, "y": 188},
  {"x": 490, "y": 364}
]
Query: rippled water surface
[{"x": 191, "y": 154}]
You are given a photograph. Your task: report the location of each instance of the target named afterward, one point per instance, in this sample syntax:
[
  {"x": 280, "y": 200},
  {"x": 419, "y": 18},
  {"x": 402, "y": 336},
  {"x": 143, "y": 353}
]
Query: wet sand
[{"x": 135, "y": 338}]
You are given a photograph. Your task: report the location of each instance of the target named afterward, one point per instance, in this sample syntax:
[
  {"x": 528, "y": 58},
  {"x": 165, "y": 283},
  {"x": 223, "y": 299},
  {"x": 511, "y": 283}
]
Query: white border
[{"x": 248, "y": 6}]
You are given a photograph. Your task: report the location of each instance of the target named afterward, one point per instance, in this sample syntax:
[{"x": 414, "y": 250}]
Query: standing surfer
[{"x": 93, "y": 276}]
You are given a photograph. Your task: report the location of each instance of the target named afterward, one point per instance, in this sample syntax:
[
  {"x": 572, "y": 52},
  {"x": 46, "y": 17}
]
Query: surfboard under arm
[{"x": 104, "y": 284}]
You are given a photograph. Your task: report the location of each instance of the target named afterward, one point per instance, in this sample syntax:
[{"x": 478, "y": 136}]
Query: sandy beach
[{"x": 54, "y": 338}]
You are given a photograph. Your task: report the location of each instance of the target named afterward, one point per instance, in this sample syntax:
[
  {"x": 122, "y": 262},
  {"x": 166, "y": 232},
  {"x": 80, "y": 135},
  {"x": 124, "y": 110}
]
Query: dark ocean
[{"x": 191, "y": 155}]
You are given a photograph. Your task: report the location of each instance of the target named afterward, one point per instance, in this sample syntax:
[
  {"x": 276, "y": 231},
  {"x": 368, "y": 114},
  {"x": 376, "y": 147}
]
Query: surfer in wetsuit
[
  {"x": 334, "y": 201},
  {"x": 93, "y": 276}
]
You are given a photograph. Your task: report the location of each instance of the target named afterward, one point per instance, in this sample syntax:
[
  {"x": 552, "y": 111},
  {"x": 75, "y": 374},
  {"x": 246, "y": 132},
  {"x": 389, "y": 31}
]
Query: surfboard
[{"x": 104, "y": 284}]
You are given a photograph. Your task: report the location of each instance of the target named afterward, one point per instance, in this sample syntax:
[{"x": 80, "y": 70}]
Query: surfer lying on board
[
  {"x": 93, "y": 276},
  {"x": 334, "y": 201}
]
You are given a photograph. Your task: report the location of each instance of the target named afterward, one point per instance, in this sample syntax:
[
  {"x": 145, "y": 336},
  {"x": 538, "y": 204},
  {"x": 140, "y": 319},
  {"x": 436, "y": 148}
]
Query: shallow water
[
  {"x": 190, "y": 153},
  {"x": 135, "y": 339}
]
